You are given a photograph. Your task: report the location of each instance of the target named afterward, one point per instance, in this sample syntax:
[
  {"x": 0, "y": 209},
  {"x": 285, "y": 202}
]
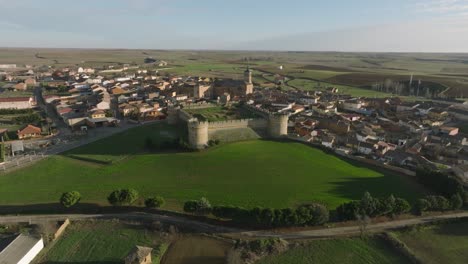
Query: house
[
  {"x": 451, "y": 131},
  {"x": 139, "y": 255},
  {"x": 365, "y": 148},
  {"x": 29, "y": 131},
  {"x": 98, "y": 114},
  {"x": 20, "y": 87},
  {"x": 30, "y": 82},
  {"x": 20, "y": 249}
]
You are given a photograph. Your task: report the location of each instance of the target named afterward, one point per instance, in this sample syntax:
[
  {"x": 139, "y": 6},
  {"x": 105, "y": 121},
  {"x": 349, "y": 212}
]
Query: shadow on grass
[{"x": 457, "y": 227}]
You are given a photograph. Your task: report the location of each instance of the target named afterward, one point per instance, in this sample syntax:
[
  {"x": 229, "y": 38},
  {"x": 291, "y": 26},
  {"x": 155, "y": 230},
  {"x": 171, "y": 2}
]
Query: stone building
[
  {"x": 139, "y": 255},
  {"x": 219, "y": 87}
]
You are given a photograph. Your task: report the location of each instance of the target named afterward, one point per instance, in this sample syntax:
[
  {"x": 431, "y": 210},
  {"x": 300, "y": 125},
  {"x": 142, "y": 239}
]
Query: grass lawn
[
  {"x": 98, "y": 242},
  {"x": 127, "y": 143},
  {"x": 221, "y": 113},
  {"x": 252, "y": 173},
  {"x": 339, "y": 251},
  {"x": 445, "y": 243}
]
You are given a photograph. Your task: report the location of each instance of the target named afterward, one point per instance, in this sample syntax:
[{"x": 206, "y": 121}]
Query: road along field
[{"x": 249, "y": 174}]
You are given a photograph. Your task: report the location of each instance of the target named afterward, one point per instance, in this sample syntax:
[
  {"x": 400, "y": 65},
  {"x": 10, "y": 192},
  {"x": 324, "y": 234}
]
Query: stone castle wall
[{"x": 200, "y": 133}]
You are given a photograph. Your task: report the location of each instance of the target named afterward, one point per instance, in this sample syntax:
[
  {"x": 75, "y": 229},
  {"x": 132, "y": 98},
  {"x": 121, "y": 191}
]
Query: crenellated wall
[{"x": 199, "y": 133}]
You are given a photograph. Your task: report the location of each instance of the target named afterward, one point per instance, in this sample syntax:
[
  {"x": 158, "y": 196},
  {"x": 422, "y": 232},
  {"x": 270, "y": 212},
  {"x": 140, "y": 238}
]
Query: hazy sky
[{"x": 342, "y": 25}]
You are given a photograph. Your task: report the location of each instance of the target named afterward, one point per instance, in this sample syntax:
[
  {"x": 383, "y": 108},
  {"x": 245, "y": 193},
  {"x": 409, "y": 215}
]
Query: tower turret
[
  {"x": 248, "y": 75},
  {"x": 197, "y": 133},
  {"x": 278, "y": 125}
]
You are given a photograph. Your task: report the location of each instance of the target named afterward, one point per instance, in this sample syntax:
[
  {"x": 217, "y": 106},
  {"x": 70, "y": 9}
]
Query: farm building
[
  {"x": 20, "y": 249},
  {"x": 17, "y": 103},
  {"x": 139, "y": 255}
]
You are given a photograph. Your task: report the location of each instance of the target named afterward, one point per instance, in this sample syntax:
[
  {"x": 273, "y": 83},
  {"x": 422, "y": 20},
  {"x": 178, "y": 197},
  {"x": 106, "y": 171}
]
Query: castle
[
  {"x": 273, "y": 125},
  {"x": 212, "y": 90}
]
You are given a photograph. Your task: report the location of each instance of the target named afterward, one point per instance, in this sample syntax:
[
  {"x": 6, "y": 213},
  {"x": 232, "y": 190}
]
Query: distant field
[
  {"x": 98, "y": 242},
  {"x": 445, "y": 243},
  {"x": 249, "y": 174},
  {"x": 339, "y": 251}
]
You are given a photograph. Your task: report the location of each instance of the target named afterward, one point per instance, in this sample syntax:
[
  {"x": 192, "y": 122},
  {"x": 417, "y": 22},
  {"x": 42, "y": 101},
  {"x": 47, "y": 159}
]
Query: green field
[
  {"x": 98, "y": 242},
  {"x": 252, "y": 173},
  {"x": 339, "y": 251},
  {"x": 445, "y": 243}
]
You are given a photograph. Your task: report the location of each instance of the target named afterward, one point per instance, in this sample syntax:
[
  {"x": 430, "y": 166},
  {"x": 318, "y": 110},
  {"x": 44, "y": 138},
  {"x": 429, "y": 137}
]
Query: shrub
[
  {"x": 69, "y": 199},
  {"x": 401, "y": 206},
  {"x": 423, "y": 205},
  {"x": 154, "y": 202},
  {"x": 201, "y": 207},
  {"x": 123, "y": 197},
  {"x": 438, "y": 203},
  {"x": 456, "y": 201}
]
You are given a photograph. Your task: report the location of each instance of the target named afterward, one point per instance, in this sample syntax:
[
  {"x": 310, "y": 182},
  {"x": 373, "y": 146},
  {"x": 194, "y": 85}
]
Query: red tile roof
[{"x": 29, "y": 129}]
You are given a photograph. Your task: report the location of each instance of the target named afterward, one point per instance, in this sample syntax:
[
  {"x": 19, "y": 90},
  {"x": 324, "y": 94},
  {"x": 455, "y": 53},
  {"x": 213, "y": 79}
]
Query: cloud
[{"x": 442, "y": 6}]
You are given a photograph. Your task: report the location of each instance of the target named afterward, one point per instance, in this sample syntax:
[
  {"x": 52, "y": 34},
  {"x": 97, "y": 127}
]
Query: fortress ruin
[{"x": 267, "y": 125}]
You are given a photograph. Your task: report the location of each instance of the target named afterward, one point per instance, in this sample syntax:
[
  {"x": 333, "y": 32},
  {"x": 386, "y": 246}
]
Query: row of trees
[
  {"x": 121, "y": 197},
  {"x": 372, "y": 207},
  {"x": 439, "y": 203},
  {"x": 305, "y": 215}
]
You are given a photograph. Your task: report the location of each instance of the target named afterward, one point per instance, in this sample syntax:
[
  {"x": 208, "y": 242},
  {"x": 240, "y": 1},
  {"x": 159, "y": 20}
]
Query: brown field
[{"x": 195, "y": 250}]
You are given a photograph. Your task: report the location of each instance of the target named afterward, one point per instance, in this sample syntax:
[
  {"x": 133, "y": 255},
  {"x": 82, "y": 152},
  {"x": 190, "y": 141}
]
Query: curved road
[{"x": 235, "y": 233}]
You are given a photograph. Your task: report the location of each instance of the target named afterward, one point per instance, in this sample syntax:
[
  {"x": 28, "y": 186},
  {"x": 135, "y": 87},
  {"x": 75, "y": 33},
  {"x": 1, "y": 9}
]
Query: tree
[
  {"x": 69, "y": 199},
  {"x": 368, "y": 205},
  {"x": 2, "y": 152},
  {"x": 456, "y": 201},
  {"x": 201, "y": 207},
  {"x": 401, "y": 206},
  {"x": 123, "y": 197},
  {"x": 154, "y": 202},
  {"x": 422, "y": 205},
  {"x": 390, "y": 204}
]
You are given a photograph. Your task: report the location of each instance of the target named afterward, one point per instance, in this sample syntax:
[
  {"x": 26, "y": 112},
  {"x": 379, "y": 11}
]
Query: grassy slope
[
  {"x": 98, "y": 242},
  {"x": 254, "y": 173},
  {"x": 446, "y": 243},
  {"x": 340, "y": 251}
]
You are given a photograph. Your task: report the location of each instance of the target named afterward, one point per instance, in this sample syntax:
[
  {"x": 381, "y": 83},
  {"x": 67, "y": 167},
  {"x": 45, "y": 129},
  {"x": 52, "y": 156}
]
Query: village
[{"x": 406, "y": 134}]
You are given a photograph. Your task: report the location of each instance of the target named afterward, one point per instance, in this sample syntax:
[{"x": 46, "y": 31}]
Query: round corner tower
[
  {"x": 278, "y": 125},
  {"x": 197, "y": 133},
  {"x": 173, "y": 115},
  {"x": 248, "y": 75}
]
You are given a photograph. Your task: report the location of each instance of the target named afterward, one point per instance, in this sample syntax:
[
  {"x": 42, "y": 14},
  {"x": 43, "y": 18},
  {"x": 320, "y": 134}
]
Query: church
[{"x": 219, "y": 87}]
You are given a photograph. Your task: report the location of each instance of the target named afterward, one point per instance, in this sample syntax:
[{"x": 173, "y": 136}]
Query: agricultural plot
[
  {"x": 195, "y": 250},
  {"x": 339, "y": 251},
  {"x": 248, "y": 174},
  {"x": 444, "y": 243},
  {"x": 99, "y": 242}
]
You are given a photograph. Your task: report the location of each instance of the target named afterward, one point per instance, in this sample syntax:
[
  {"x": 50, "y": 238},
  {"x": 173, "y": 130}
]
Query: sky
[{"x": 312, "y": 25}]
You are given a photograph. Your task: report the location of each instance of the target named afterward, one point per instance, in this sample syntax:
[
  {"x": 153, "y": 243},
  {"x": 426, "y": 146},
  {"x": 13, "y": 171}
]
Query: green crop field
[
  {"x": 339, "y": 251},
  {"x": 444, "y": 243},
  {"x": 251, "y": 173},
  {"x": 98, "y": 242}
]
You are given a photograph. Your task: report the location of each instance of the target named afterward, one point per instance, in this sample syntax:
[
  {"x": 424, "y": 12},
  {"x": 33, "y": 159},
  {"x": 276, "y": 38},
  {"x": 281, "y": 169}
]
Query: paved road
[{"x": 236, "y": 233}]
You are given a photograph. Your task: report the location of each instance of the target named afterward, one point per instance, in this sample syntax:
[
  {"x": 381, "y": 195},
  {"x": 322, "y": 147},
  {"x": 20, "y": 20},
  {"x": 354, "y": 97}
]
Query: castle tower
[
  {"x": 278, "y": 125},
  {"x": 172, "y": 115},
  {"x": 248, "y": 76},
  {"x": 197, "y": 134},
  {"x": 248, "y": 81}
]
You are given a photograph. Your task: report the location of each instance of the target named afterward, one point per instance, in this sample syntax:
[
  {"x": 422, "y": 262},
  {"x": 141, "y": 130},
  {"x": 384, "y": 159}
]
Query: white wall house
[{"x": 22, "y": 250}]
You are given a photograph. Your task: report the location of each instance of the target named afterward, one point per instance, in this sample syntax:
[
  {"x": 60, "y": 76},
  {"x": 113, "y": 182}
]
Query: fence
[{"x": 20, "y": 162}]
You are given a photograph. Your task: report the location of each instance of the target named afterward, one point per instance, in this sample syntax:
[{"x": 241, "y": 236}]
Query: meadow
[
  {"x": 444, "y": 243},
  {"x": 99, "y": 242},
  {"x": 371, "y": 250},
  {"x": 249, "y": 174}
]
